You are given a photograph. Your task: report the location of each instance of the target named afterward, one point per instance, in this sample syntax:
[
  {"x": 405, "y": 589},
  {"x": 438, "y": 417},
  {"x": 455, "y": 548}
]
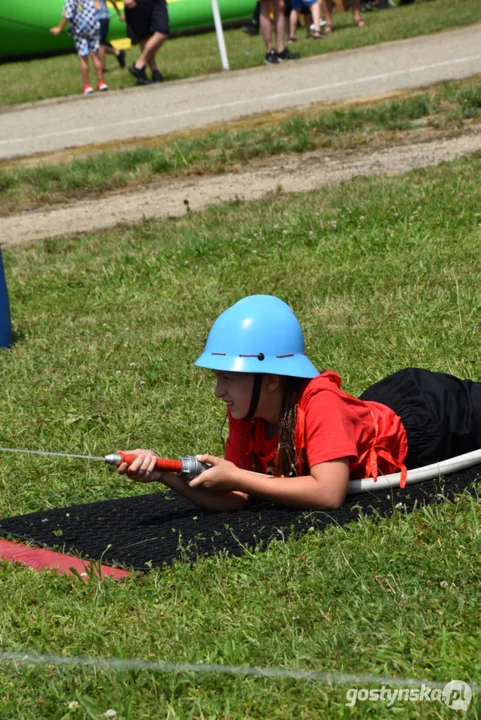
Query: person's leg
[
  {"x": 119, "y": 54},
  {"x": 98, "y": 64},
  {"x": 138, "y": 21},
  {"x": 253, "y": 27},
  {"x": 103, "y": 30},
  {"x": 137, "y": 69},
  {"x": 441, "y": 413},
  {"x": 84, "y": 69},
  {"x": 316, "y": 18},
  {"x": 293, "y": 20},
  {"x": 265, "y": 23},
  {"x": 152, "y": 45},
  {"x": 280, "y": 24},
  {"x": 82, "y": 48},
  {"x": 159, "y": 28},
  {"x": 327, "y": 12},
  {"x": 356, "y": 14},
  {"x": 101, "y": 54},
  {"x": 306, "y": 16}
]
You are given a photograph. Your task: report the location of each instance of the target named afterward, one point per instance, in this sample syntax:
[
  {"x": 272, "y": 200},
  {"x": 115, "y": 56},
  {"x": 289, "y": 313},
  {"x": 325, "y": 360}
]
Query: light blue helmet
[{"x": 259, "y": 334}]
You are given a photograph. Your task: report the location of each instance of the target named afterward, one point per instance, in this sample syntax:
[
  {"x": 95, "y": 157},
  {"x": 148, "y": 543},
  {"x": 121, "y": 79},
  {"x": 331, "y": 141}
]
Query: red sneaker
[
  {"x": 87, "y": 89},
  {"x": 102, "y": 86}
]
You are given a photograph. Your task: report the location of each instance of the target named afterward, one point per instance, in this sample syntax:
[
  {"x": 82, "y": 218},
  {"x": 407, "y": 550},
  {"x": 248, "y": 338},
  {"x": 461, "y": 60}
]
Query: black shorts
[
  {"x": 147, "y": 18},
  {"x": 440, "y": 413},
  {"x": 104, "y": 30}
]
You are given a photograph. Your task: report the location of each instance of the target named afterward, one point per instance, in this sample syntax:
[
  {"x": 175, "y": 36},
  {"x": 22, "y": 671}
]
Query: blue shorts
[{"x": 302, "y": 5}]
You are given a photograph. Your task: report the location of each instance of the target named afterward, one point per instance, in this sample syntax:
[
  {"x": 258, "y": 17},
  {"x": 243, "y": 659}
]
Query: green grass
[
  {"x": 196, "y": 55},
  {"x": 443, "y": 107},
  {"x": 383, "y": 273}
]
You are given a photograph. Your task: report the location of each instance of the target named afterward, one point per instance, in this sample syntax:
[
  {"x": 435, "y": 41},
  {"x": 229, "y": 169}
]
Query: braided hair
[{"x": 287, "y": 463}]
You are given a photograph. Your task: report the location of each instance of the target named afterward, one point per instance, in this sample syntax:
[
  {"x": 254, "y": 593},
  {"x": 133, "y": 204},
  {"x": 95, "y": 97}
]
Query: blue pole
[{"x": 5, "y": 322}]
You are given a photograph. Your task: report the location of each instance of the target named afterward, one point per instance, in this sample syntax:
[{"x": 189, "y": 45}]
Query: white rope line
[{"x": 105, "y": 663}]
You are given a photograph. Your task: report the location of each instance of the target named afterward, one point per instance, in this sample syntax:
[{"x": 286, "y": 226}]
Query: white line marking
[{"x": 236, "y": 103}]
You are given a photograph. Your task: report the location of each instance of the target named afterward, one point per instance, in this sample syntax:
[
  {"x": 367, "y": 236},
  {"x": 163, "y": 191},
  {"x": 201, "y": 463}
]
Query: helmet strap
[{"x": 256, "y": 393}]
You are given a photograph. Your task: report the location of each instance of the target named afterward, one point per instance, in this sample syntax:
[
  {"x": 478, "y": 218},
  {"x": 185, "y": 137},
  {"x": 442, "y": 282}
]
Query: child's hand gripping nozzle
[{"x": 188, "y": 467}]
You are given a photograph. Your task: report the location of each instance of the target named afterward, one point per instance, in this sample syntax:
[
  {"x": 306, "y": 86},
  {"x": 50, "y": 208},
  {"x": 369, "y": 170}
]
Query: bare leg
[
  {"x": 307, "y": 24},
  {"x": 153, "y": 50},
  {"x": 316, "y": 17},
  {"x": 84, "y": 68},
  {"x": 293, "y": 20},
  {"x": 327, "y": 6},
  {"x": 356, "y": 14},
  {"x": 265, "y": 23},
  {"x": 110, "y": 50},
  {"x": 98, "y": 65},
  {"x": 148, "y": 49},
  {"x": 102, "y": 50},
  {"x": 280, "y": 22}
]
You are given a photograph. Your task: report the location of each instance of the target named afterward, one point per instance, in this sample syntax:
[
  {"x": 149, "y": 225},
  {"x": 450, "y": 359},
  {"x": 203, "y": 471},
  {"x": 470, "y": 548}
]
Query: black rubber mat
[{"x": 151, "y": 530}]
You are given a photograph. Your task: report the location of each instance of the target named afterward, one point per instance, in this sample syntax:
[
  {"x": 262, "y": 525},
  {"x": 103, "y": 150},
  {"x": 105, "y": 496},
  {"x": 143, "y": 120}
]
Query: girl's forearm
[
  {"x": 62, "y": 24},
  {"x": 209, "y": 500},
  {"x": 303, "y": 492}
]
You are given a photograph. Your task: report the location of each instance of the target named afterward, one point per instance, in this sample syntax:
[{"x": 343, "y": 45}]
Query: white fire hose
[{"x": 428, "y": 472}]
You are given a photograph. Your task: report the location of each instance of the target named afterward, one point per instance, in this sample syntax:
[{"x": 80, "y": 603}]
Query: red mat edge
[{"x": 40, "y": 559}]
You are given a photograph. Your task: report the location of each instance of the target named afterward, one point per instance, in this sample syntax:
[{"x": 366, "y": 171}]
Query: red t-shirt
[{"x": 330, "y": 424}]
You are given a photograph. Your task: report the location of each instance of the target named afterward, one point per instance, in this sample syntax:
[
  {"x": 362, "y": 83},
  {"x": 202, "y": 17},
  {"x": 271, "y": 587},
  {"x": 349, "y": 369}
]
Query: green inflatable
[{"x": 25, "y": 24}]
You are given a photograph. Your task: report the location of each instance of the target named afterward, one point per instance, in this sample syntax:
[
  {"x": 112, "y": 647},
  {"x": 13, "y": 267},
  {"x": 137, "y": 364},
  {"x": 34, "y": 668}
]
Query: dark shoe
[
  {"x": 272, "y": 58},
  {"x": 157, "y": 76},
  {"x": 286, "y": 54},
  {"x": 251, "y": 29},
  {"x": 139, "y": 75},
  {"x": 121, "y": 58}
]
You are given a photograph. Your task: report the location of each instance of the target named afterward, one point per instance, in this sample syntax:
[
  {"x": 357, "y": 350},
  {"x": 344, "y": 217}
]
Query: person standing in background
[
  {"x": 281, "y": 53},
  {"x": 84, "y": 28},
  {"x": 103, "y": 16},
  {"x": 308, "y": 8},
  {"x": 147, "y": 24},
  {"x": 327, "y": 12},
  {"x": 252, "y": 28}
]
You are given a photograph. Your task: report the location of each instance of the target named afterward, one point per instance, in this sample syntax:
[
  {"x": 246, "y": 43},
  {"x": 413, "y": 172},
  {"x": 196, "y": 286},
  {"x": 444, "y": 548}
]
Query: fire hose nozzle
[
  {"x": 113, "y": 459},
  {"x": 188, "y": 467},
  {"x": 191, "y": 467}
]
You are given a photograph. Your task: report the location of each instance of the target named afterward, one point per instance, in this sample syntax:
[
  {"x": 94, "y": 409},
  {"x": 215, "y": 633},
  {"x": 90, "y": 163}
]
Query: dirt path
[{"x": 284, "y": 173}]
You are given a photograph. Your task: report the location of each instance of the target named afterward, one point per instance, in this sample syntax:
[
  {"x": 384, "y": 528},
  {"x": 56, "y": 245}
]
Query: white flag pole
[{"x": 220, "y": 35}]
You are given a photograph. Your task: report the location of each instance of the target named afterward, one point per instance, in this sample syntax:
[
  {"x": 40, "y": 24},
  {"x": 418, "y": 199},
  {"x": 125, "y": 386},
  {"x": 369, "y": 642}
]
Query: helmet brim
[{"x": 293, "y": 366}]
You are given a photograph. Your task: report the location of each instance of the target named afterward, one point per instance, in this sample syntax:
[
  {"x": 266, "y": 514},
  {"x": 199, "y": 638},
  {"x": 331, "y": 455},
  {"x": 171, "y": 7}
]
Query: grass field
[
  {"x": 196, "y": 55},
  {"x": 383, "y": 273}
]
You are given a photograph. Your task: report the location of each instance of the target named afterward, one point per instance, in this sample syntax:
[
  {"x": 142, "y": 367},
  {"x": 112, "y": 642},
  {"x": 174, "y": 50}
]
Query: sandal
[
  {"x": 317, "y": 35},
  {"x": 291, "y": 39},
  {"x": 327, "y": 29},
  {"x": 359, "y": 23}
]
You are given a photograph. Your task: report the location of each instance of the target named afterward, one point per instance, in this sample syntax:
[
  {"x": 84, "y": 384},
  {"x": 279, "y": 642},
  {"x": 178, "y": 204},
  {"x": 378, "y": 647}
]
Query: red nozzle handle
[{"x": 174, "y": 466}]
